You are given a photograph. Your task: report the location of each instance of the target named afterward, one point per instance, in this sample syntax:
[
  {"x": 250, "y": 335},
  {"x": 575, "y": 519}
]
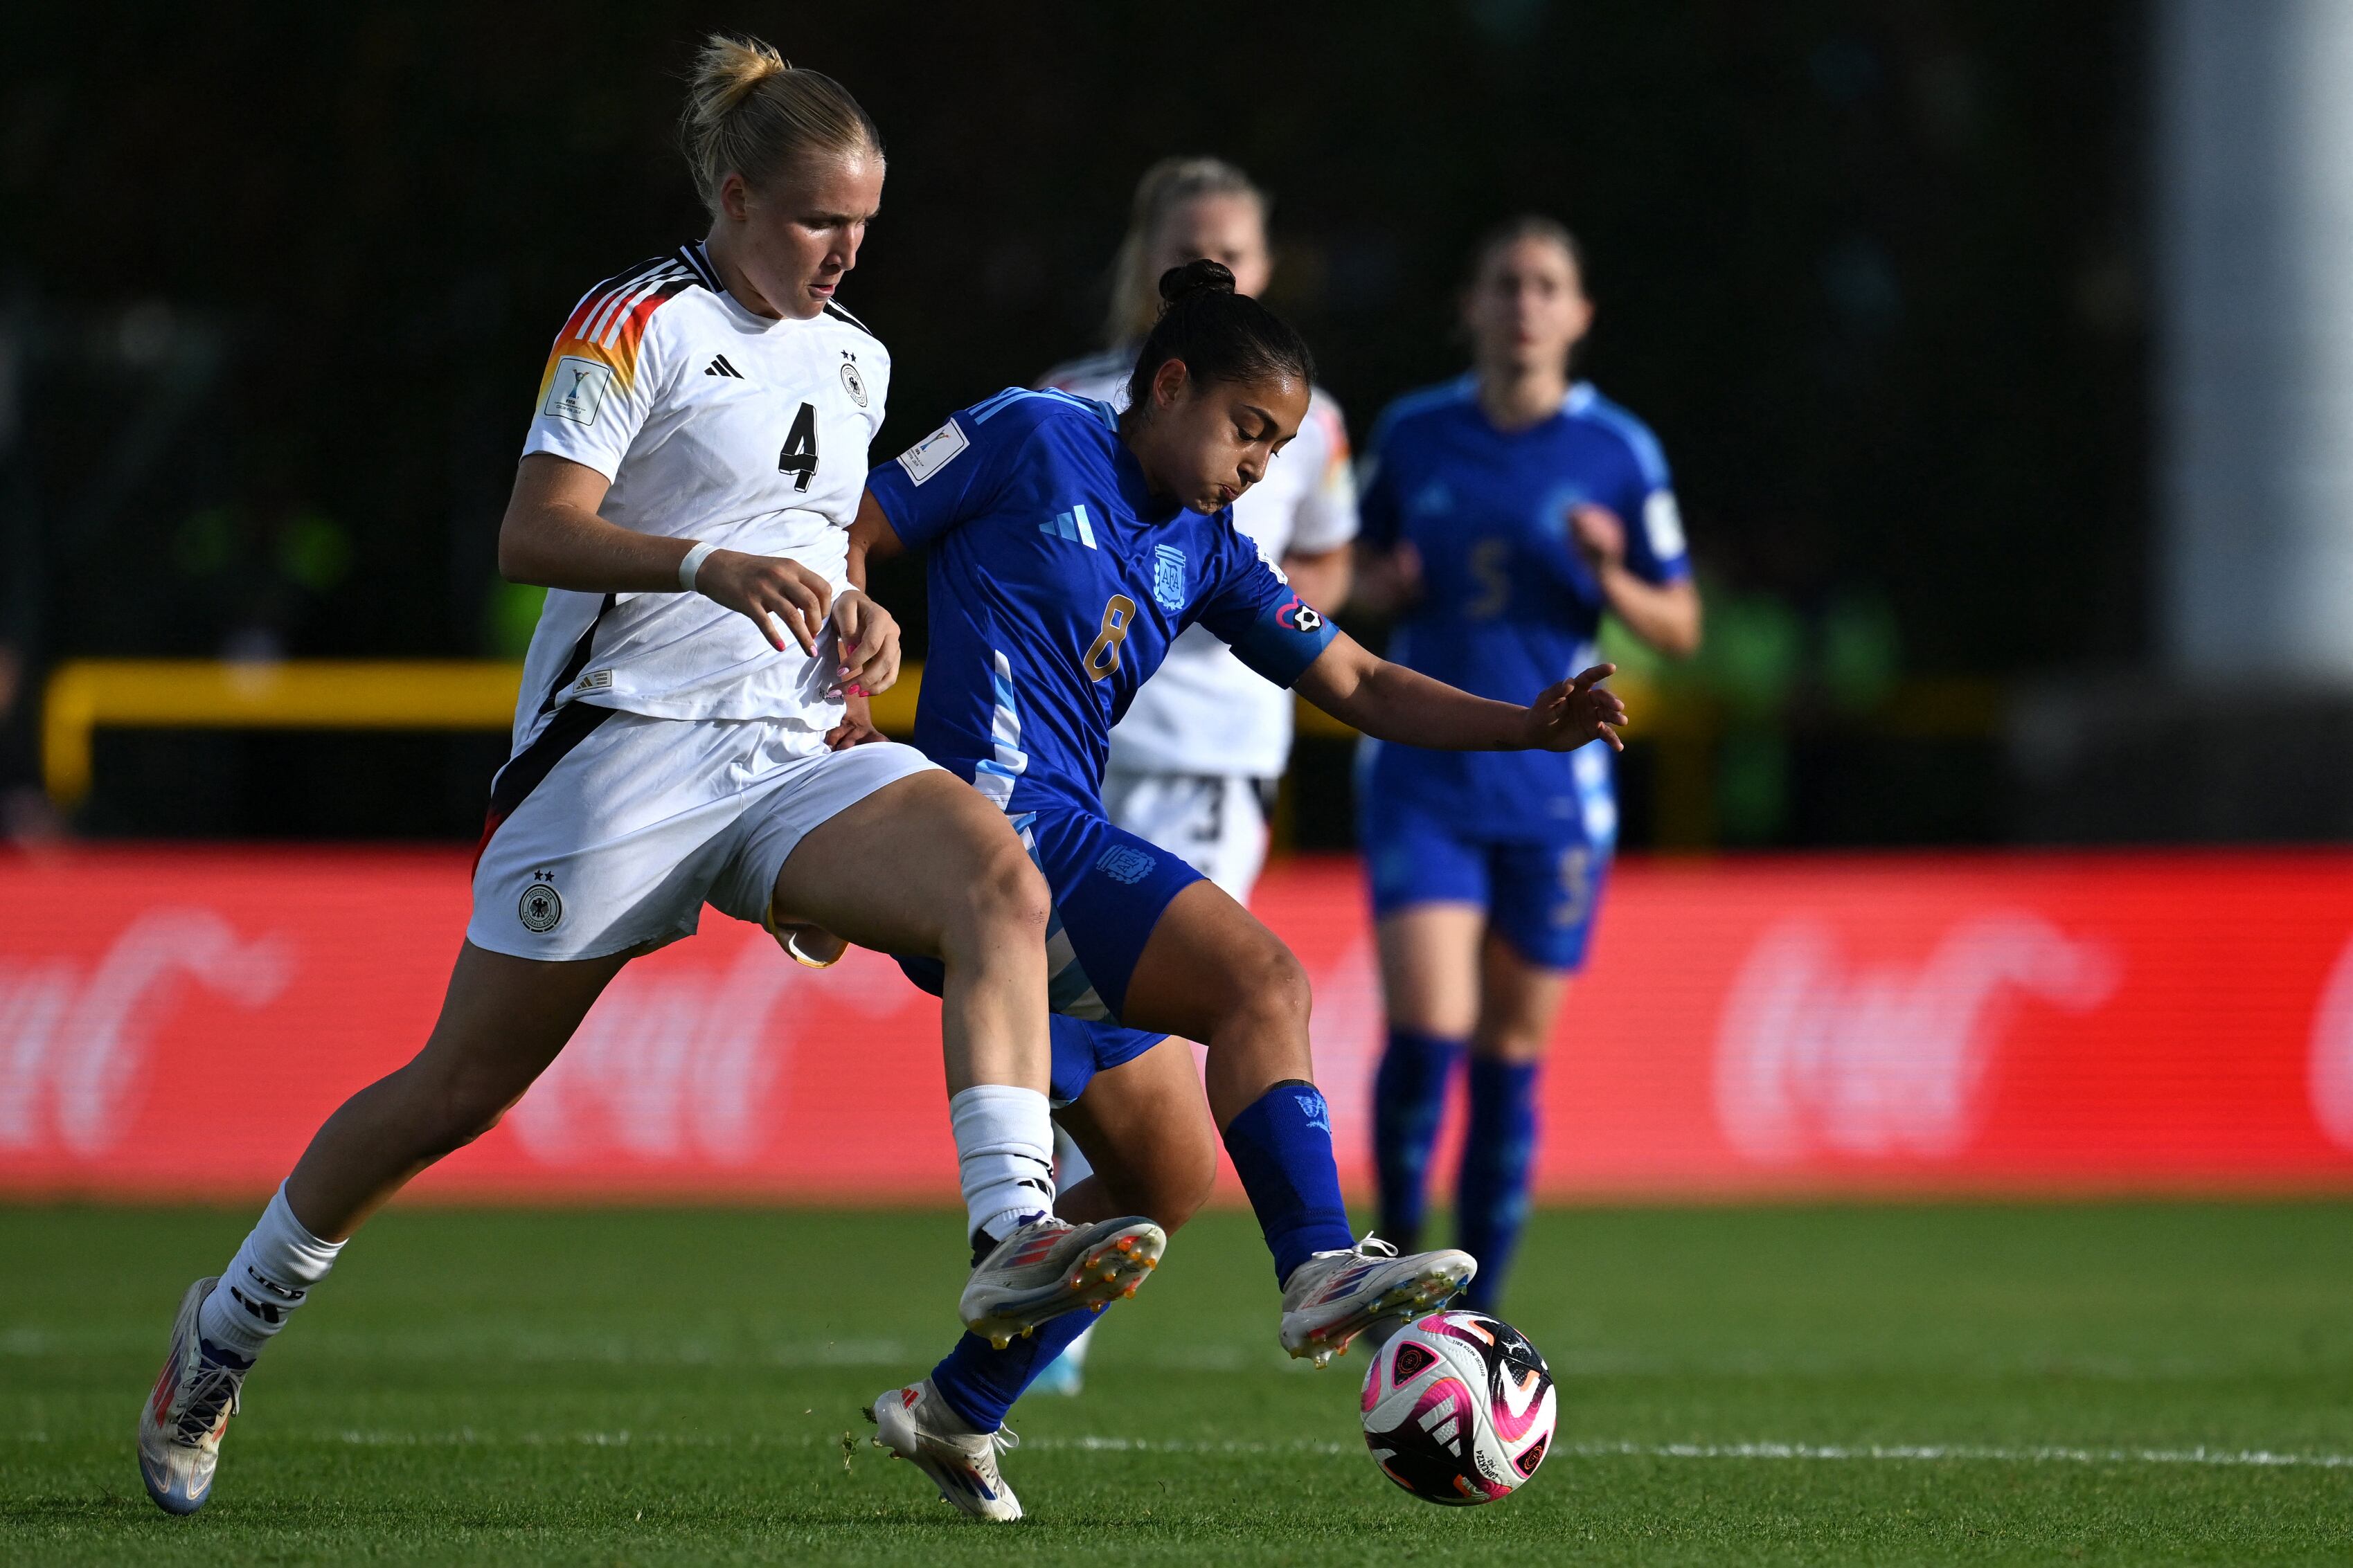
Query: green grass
[{"x": 655, "y": 1387}]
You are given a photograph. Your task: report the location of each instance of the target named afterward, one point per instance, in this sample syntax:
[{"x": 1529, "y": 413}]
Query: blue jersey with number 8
[{"x": 1057, "y": 583}]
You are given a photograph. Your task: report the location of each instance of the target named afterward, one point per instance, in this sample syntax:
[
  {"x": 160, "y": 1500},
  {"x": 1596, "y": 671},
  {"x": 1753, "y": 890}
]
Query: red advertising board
[{"x": 175, "y": 1024}]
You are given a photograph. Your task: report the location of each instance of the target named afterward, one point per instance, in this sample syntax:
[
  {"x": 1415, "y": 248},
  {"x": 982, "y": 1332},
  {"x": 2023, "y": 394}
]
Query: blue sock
[
  {"x": 980, "y": 1382},
  {"x": 1281, "y": 1149},
  {"x": 1491, "y": 1201},
  {"x": 1409, "y": 1093}
]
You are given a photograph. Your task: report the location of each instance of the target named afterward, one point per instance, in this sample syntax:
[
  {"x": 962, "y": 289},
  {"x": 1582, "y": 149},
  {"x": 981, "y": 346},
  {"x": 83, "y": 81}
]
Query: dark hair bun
[
  {"x": 1221, "y": 336},
  {"x": 1203, "y": 276}
]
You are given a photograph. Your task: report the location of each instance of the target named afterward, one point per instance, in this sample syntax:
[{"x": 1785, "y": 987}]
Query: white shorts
[
  {"x": 1213, "y": 822},
  {"x": 617, "y": 828}
]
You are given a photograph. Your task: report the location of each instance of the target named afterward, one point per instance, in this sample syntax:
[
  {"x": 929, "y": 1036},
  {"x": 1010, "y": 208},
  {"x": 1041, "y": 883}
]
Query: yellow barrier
[
  {"x": 86, "y": 695},
  {"x": 294, "y": 694}
]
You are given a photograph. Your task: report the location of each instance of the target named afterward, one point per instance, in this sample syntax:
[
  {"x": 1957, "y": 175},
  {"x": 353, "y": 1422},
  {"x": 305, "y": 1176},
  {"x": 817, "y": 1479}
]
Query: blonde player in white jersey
[
  {"x": 1195, "y": 762},
  {"x": 695, "y": 461}
]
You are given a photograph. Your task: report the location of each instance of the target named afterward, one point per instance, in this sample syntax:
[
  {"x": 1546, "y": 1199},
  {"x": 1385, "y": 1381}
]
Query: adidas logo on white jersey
[
  {"x": 719, "y": 366},
  {"x": 1071, "y": 524}
]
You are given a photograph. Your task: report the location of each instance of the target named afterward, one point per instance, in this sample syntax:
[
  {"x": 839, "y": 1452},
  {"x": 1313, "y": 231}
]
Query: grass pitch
[{"x": 2127, "y": 1383}]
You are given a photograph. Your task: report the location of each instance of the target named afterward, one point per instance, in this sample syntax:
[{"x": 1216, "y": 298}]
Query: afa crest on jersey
[
  {"x": 1124, "y": 863},
  {"x": 1168, "y": 577}
]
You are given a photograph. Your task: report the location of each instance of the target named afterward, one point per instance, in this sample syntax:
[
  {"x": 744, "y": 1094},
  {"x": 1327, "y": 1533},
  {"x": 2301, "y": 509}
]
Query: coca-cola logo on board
[
  {"x": 1816, "y": 1055},
  {"x": 73, "y": 1037}
]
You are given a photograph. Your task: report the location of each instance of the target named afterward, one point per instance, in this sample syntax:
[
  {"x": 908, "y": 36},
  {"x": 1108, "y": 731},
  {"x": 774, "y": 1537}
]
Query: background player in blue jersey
[
  {"x": 1069, "y": 545},
  {"x": 1504, "y": 512}
]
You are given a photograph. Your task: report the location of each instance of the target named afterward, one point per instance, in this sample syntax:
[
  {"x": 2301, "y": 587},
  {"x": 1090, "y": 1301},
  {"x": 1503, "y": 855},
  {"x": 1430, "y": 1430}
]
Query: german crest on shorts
[{"x": 540, "y": 908}]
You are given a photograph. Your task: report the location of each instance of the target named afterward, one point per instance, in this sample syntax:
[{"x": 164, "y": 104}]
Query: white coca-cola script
[
  {"x": 73, "y": 1040},
  {"x": 1818, "y": 1056}
]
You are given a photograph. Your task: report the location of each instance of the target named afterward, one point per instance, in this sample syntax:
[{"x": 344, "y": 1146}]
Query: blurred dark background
[{"x": 276, "y": 285}]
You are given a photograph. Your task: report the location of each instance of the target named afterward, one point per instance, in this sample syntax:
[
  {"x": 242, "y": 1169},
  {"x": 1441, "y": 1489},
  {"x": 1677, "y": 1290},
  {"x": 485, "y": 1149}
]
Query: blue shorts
[
  {"x": 1540, "y": 895},
  {"x": 1110, "y": 888},
  {"x": 1082, "y": 1049}
]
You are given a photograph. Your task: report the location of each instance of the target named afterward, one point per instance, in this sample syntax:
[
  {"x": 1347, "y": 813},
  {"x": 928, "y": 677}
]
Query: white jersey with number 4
[
  {"x": 1203, "y": 711},
  {"x": 712, "y": 422}
]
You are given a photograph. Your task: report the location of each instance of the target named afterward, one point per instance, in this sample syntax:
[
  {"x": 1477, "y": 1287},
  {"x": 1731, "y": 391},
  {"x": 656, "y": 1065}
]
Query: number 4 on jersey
[{"x": 800, "y": 456}]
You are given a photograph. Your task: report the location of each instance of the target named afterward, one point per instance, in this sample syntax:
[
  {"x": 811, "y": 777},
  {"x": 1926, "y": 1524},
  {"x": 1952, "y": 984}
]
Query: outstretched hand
[{"x": 1577, "y": 710}]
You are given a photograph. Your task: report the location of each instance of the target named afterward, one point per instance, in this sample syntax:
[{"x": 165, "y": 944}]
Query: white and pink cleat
[
  {"x": 180, "y": 1430},
  {"x": 1335, "y": 1296}
]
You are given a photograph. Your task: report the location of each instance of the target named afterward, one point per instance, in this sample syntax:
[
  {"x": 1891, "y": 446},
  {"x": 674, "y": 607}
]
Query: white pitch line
[
  {"x": 1931, "y": 1453},
  {"x": 1885, "y": 1453},
  {"x": 1914, "y": 1453}
]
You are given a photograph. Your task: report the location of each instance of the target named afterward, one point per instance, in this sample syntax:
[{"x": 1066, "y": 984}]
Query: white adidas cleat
[
  {"x": 1335, "y": 1296},
  {"x": 1050, "y": 1267},
  {"x": 914, "y": 1424},
  {"x": 180, "y": 1430}
]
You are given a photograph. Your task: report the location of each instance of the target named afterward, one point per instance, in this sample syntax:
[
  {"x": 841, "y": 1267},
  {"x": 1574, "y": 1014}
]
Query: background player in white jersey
[
  {"x": 1194, "y": 764},
  {"x": 696, "y": 457}
]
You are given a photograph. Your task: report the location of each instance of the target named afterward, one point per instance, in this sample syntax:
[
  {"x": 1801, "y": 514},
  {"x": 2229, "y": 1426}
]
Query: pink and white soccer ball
[{"x": 1458, "y": 1408}]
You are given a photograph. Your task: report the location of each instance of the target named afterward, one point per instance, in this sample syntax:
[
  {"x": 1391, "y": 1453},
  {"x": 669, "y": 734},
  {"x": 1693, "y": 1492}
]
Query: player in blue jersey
[
  {"x": 1195, "y": 762},
  {"x": 1504, "y": 513},
  {"x": 1070, "y": 543}
]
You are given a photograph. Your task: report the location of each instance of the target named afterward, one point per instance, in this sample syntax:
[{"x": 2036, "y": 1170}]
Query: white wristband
[{"x": 692, "y": 563}]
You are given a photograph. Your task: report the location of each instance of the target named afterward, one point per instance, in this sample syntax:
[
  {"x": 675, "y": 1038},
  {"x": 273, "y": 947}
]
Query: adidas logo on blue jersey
[{"x": 1072, "y": 525}]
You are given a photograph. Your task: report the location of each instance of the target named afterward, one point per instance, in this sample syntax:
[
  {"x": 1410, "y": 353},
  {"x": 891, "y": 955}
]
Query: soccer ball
[{"x": 1458, "y": 1408}]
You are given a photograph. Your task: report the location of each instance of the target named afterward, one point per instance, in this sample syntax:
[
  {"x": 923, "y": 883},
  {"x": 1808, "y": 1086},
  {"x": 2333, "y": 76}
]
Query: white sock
[
  {"x": 267, "y": 1279},
  {"x": 1005, "y": 1155}
]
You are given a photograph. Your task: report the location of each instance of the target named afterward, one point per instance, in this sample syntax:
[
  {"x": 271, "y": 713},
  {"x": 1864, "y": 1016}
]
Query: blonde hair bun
[
  {"x": 751, "y": 112},
  {"x": 725, "y": 68}
]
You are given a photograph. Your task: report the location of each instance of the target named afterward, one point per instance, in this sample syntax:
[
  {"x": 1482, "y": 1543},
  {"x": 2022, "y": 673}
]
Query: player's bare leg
[
  {"x": 1144, "y": 1138},
  {"x": 1144, "y": 1127},
  {"x": 502, "y": 1021},
  {"x": 1519, "y": 1001},
  {"x": 1212, "y": 973},
  {"x": 926, "y": 865},
  {"x": 1430, "y": 967}
]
